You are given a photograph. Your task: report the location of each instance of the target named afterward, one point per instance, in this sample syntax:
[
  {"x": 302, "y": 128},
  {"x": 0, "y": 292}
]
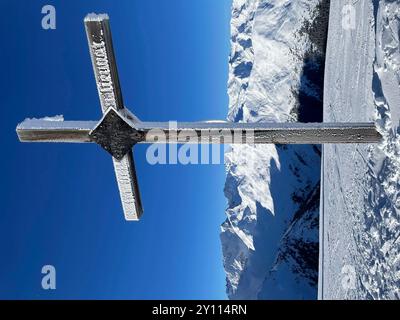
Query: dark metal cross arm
[{"x": 117, "y": 134}]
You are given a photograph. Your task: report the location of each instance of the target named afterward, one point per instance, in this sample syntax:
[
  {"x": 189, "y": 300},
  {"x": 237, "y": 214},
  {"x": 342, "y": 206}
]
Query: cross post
[{"x": 119, "y": 130}]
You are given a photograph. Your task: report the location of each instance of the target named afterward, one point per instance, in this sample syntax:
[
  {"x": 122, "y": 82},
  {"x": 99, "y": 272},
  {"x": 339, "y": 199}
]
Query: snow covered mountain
[
  {"x": 270, "y": 237},
  {"x": 360, "y": 207}
]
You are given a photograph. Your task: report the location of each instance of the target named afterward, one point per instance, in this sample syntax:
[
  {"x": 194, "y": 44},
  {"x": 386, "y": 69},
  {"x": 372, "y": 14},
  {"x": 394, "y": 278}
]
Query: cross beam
[
  {"x": 119, "y": 130},
  {"x": 131, "y": 132}
]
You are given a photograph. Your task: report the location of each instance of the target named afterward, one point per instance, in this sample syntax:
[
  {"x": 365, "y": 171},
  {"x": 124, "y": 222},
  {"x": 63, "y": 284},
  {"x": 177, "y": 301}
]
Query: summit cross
[{"x": 119, "y": 129}]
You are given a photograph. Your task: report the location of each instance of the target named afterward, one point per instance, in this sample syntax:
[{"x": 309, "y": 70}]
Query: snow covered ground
[
  {"x": 270, "y": 237},
  {"x": 360, "y": 207}
]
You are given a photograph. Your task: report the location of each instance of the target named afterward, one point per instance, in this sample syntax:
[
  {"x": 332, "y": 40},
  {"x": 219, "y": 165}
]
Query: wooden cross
[{"x": 119, "y": 130}]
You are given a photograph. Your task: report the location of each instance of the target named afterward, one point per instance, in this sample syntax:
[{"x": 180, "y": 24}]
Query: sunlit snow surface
[
  {"x": 270, "y": 237},
  {"x": 361, "y": 192}
]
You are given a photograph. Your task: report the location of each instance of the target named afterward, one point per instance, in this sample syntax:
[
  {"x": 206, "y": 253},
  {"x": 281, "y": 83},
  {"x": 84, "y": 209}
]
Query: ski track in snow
[
  {"x": 380, "y": 244},
  {"x": 361, "y": 197}
]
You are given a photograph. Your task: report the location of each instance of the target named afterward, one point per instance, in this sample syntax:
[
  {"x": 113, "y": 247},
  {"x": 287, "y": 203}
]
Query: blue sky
[{"x": 60, "y": 203}]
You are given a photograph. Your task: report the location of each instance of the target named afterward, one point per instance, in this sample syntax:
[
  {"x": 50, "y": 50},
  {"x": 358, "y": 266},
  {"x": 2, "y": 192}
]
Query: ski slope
[{"x": 360, "y": 202}]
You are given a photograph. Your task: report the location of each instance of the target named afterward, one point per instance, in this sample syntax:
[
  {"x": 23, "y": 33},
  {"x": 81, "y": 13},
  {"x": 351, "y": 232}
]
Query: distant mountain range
[{"x": 270, "y": 238}]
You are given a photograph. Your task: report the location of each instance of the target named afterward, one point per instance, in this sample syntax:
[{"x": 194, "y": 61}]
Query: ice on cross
[{"x": 119, "y": 130}]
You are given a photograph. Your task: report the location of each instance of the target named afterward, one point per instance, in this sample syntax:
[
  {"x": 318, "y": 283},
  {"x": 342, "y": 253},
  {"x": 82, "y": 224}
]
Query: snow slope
[
  {"x": 270, "y": 236},
  {"x": 360, "y": 207}
]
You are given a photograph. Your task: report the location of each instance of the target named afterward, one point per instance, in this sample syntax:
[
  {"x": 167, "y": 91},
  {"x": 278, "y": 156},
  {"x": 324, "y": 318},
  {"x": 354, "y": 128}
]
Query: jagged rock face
[{"x": 270, "y": 237}]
